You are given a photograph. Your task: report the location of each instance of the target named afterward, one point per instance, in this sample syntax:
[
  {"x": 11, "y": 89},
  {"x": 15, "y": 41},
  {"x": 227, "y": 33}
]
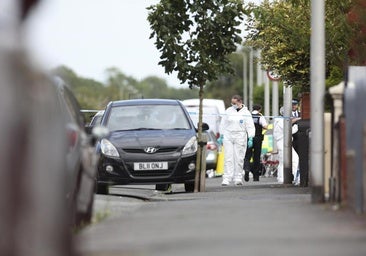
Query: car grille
[{"x": 141, "y": 150}]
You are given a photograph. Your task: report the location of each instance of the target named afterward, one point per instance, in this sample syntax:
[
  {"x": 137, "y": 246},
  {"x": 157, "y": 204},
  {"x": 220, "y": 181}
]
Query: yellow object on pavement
[{"x": 220, "y": 163}]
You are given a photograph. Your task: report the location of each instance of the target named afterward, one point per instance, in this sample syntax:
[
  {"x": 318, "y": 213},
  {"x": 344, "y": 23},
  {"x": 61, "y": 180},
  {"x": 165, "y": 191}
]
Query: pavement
[{"x": 258, "y": 218}]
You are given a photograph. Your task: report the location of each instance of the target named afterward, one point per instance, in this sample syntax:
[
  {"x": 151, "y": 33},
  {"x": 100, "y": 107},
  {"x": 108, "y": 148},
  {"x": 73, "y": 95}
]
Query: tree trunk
[{"x": 198, "y": 183}]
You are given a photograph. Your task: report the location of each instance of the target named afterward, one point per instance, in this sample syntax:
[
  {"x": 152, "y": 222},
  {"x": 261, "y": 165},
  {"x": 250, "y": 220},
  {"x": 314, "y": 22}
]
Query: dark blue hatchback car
[{"x": 151, "y": 141}]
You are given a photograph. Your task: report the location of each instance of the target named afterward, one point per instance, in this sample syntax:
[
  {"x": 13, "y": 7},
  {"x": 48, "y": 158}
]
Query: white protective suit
[
  {"x": 278, "y": 136},
  {"x": 237, "y": 127}
]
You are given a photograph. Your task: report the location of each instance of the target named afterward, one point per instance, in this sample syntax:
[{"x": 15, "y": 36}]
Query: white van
[
  {"x": 210, "y": 110},
  {"x": 207, "y": 102}
]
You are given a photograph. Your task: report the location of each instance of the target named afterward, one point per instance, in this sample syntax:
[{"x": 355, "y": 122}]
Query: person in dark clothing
[
  {"x": 295, "y": 109},
  {"x": 296, "y": 116},
  {"x": 260, "y": 123}
]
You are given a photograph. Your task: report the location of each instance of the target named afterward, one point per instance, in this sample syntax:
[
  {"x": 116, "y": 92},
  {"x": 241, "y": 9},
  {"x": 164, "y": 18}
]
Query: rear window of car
[{"x": 160, "y": 117}]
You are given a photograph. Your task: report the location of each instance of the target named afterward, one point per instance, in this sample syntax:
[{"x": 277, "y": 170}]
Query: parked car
[
  {"x": 151, "y": 141},
  {"x": 88, "y": 114},
  {"x": 97, "y": 118},
  {"x": 81, "y": 157},
  {"x": 211, "y": 150}
]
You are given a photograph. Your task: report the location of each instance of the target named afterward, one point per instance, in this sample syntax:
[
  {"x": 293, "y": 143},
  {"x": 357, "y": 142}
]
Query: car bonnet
[{"x": 155, "y": 138}]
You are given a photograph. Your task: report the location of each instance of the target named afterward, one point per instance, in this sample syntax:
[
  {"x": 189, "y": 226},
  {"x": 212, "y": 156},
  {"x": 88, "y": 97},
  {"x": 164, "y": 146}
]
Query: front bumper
[{"x": 115, "y": 171}]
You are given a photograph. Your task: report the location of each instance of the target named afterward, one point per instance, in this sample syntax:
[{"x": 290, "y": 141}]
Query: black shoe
[
  {"x": 256, "y": 178},
  {"x": 246, "y": 176}
]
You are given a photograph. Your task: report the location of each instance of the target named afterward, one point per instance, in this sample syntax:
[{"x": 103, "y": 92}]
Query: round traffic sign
[{"x": 273, "y": 76}]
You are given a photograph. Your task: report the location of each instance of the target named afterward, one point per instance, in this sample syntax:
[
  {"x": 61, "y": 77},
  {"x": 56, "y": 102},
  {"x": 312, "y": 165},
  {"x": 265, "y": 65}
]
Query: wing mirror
[
  {"x": 100, "y": 131},
  {"x": 97, "y": 132}
]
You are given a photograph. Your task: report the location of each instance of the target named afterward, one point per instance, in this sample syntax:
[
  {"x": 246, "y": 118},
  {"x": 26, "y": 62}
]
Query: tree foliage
[
  {"x": 228, "y": 85},
  {"x": 288, "y": 40},
  {"x": 282, "y": 30},
  {"x": 92, "y": 94},
  {"x": 195, "y": 37}
]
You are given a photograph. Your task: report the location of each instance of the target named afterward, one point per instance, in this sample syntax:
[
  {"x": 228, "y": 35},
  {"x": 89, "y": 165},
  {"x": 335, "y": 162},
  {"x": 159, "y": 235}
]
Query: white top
[
  {"x": 278, "y": 128},
  {"x": 237, "y": 121},
  {"x": 295, "y": 113}
]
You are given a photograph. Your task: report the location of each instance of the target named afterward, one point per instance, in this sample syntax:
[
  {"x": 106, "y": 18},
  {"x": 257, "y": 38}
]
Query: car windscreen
[{"x": 146, "y": 117}]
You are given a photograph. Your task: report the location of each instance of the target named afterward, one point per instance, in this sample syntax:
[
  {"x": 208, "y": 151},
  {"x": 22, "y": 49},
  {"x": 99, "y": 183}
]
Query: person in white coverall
[
  {"x": 278, "y": 136},
  {"x": 237, "y": 130}
]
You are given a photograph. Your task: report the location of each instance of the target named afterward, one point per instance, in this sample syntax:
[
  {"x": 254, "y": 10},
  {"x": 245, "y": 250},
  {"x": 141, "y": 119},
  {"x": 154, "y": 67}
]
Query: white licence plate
[{"x": 150, "y": 166}]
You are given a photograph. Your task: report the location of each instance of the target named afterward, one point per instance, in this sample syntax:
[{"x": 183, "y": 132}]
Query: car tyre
[
  {"x": 83, "y": 218},
  {"x": 189, "y": 186},
  {"x": 162, "y": 187},
  {"x": 102, "y": 189}
]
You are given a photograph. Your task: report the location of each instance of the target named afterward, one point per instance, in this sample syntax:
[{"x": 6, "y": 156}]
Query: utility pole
[
  {"x": 250, "y": 105},
  {"x": 275, "y": 105},
  {"x": 245, "y": 78},
  {"x": 317, "y": 70},
  {"x": 287, "y": 136},
  {"x": 259, "y": 69},
  {"x": 266, "y": 96}
]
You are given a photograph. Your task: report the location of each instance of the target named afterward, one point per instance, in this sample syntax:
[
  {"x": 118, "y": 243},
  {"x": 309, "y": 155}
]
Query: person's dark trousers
[
  {"x": 295, "y": 142},
  {"x": 247, "y": 165},
  {"x": 257, "y": 150},
  {"x": 296, "y": 146},
  {"x": 254, "y": 152}
]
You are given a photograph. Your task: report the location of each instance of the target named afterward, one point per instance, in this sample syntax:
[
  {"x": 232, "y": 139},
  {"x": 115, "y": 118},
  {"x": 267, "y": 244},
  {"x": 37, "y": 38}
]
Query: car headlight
[
  {"x": 190, "y": 147},
  {"x": 108, "y": 149}
]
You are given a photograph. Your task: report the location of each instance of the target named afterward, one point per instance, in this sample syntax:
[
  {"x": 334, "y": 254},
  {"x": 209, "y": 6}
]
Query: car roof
[{"x": 135, "y": 102}]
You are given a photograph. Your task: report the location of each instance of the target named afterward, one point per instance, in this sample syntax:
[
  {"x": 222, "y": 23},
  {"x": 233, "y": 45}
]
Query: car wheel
[
  {"x": 189, "y": 186},
  {"x": 162, "y": 187},
  {"x": 102, "y": 189},
  {"x": 82, "y": 218},
  {"x": 75, "y": 216}
]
